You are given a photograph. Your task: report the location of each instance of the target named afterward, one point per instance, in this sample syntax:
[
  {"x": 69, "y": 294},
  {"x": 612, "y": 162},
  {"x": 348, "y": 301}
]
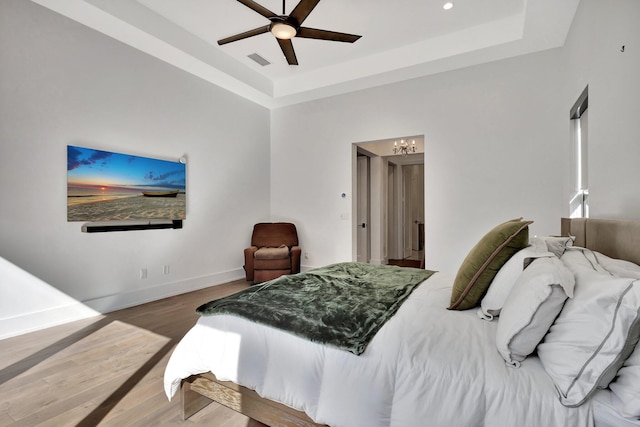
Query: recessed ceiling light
[{"x": 447, "y": 6}]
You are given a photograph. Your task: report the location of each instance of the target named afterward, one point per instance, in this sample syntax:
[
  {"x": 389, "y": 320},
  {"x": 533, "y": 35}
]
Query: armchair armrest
[
  {"x": 248, "y": 262},
  {"x": 296, "y": 251}
]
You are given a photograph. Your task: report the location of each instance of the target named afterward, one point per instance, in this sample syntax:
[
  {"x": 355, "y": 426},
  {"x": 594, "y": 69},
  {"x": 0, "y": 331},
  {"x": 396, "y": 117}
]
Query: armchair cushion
[
  {"x": 272, "y": 264},
  {"x": 272, "y": 253}
]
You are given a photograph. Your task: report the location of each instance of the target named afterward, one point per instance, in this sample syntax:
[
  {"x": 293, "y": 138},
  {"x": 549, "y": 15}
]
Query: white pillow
[
  {"x": 555, "y": 244},
  {"x": 506, "y": 277},
  {"x": 581, "y": 260},
  {"x": 530, "y": 309},
  {"x": 618, "y": 267},
  {"x": 627, "y": 386},
  {"x": 593, "y": 335}
]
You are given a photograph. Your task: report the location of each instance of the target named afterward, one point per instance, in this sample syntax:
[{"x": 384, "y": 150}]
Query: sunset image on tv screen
[{"x": 107, "y": 186}]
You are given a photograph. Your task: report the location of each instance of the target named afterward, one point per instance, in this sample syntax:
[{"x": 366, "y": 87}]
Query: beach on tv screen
[{"x": 109, "y": 186}]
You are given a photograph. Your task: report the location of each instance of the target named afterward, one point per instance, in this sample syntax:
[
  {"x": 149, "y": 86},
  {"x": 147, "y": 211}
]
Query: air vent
[{"x": 259, "y": 59}]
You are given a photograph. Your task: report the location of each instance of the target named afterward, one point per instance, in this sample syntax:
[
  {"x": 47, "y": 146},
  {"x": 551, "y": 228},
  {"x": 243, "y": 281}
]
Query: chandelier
[{"x": 404, "y": 148}]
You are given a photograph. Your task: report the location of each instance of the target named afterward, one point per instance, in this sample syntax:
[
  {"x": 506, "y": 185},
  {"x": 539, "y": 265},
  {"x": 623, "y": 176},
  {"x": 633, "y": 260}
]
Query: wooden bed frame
[
  {"x": 614, "y": 238},
  {"x": 198, "y": 391}
]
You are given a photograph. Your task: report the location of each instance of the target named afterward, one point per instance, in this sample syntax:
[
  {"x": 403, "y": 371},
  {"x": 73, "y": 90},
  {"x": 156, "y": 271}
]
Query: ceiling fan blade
[
  {"x": 287, "y": 49},
  {"x": 313, "y": 33},
  {"x": 246, "y": 34},
  {"x": 258, "y": 8},
  {"x": 303, "y": 9}
]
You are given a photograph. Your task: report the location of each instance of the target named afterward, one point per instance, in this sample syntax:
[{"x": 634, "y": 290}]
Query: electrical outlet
[
  {"x": 143, "y": 273},
  {"x": 165, "y": 269},
  {"x": 306, "y": 255}
]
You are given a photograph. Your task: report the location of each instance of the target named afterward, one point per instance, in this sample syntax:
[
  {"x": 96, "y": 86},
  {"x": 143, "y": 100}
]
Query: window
[{"x": 579, "y": 200}]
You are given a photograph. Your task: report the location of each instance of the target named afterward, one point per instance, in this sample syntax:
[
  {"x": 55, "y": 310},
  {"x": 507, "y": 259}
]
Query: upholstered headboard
[{"x": 614, "y": 238}]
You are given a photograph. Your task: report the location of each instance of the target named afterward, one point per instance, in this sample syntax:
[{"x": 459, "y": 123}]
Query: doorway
[
  {"x": 388, "y": 205},
  {"x": 406, "y": 211}
]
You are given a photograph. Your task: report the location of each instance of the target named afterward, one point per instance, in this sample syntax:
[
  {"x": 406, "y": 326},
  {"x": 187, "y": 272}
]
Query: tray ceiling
[{"x": 400, "y": 40}]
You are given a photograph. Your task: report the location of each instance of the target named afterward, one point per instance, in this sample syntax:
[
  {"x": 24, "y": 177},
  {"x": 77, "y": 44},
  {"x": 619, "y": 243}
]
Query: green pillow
[{"x": 485, "y": 259}]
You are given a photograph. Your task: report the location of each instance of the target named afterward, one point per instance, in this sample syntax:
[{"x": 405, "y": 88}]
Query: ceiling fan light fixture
[
  {"x": 285, "y": 27},
  {"x": 283, "y": 31}
]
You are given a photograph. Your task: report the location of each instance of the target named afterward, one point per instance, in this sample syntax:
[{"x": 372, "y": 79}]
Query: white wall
[
  {"x": 594, "y": 58},
  {"x": 61, "y": 83},
  {"x": 496, "y": 141},
  {"x": 493, "y": 138}
]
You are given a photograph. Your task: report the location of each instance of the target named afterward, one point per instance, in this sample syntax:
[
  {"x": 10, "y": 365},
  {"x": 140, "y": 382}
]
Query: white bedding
[
  {"x": 427, "y": 366},
  {"x": 605, "y": 412}
]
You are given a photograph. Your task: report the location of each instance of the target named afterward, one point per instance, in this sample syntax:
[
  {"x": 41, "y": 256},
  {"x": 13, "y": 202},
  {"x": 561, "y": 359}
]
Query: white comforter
[{"x": 427, "y": 366}]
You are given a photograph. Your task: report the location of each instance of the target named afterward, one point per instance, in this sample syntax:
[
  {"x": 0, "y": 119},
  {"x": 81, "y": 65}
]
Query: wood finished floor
[{"x": 106, "y": 370}]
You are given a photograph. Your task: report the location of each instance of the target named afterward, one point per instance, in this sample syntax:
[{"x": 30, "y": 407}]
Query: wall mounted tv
[{"x": 103, "y": 186}]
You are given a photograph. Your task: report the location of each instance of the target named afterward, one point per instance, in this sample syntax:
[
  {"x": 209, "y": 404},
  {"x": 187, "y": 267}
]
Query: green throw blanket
[{"x": 343, "y": 305}]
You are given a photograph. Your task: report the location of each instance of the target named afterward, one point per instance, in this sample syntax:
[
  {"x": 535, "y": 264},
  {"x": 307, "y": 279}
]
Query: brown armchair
[{"x": 274, "y": 252}]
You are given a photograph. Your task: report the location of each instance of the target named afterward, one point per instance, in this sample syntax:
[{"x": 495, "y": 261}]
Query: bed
[{"x": 441, "y": 360}]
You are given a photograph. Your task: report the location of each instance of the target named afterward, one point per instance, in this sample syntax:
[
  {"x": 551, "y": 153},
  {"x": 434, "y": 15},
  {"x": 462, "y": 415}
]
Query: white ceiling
[{"x": 401, "y": 39}]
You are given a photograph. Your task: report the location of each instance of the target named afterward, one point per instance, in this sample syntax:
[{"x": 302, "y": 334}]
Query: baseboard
[
  {"x": 30, "y": 322},
  {"x": 304, "y": 268},
  {"x": 109, "y": 303}
]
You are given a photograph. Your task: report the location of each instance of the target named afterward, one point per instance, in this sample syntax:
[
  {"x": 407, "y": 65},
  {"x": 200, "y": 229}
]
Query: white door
[
  {"x": 417, "y": 206},
  {"x": 413, "y": 207},
  {"x": 408, "y": 211},
  {"x": 362, "y": 220},
  {"x": 391, "y": 237}
]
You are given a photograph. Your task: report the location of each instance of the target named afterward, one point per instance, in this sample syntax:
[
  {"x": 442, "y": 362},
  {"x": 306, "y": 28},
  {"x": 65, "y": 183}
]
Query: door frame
[
  {"x": 384, "y": 238},
  {"x": 363, "y": 209}
]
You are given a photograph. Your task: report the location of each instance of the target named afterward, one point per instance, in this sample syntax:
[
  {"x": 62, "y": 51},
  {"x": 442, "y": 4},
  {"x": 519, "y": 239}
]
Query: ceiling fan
[{"x": 285, "y": 27}]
